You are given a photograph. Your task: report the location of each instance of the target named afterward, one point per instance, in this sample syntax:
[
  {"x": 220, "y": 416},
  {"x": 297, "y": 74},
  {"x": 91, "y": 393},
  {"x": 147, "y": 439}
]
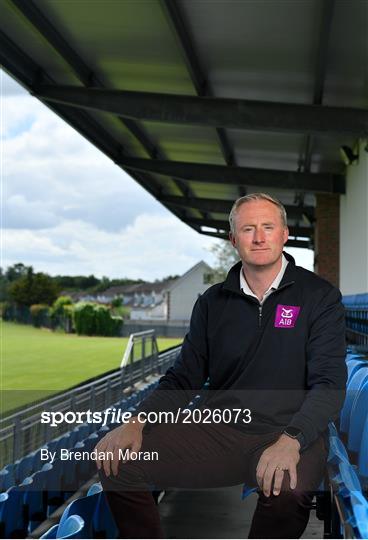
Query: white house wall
[
  {"x": 354, "y": 228},
  {"x": 185, "y": 293},
  {"x": 155, "y": 313}
]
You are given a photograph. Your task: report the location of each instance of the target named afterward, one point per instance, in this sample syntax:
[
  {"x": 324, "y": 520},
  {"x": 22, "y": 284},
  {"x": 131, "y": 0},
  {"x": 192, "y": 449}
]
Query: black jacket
[{"x": 286, "y": 373}]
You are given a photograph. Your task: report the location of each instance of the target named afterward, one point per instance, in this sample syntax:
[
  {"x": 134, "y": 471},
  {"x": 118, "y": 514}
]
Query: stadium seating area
[{"x": 30, "y": 491}]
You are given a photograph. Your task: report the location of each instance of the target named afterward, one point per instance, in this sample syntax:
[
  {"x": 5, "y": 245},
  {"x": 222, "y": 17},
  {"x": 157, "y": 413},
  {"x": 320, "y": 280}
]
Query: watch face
[{"x": 292, "y": 431}]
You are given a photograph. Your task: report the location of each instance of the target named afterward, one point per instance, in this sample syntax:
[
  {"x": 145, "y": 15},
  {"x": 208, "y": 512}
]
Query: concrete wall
[{"x": 354, "y": 228}]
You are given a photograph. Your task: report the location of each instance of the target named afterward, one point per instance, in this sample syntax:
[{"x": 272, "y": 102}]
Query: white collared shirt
[{"x": 274, "y": 285}]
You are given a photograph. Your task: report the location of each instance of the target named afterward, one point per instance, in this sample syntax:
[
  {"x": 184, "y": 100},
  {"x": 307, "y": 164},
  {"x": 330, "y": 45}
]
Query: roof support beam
[
  {"x": 200, "y": 172},
  {"x": 26, "y": 71},
  {"x": 201, "y": 84},
  {"x": 221, "y": 206},
  {"x": 35, "y": 16},
  {"x": 320, "y": 69},
  {"x": 216, "y": 112}
]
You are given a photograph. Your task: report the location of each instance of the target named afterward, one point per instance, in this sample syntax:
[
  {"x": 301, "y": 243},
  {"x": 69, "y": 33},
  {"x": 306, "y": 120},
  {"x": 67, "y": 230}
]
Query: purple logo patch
[{"x": 286, "y": 316}]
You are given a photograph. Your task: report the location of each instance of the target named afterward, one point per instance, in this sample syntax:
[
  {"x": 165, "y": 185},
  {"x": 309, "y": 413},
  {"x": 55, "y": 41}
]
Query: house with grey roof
[
  {"x": 161, "y": 301},
  {"x": 175, "y": 299}
]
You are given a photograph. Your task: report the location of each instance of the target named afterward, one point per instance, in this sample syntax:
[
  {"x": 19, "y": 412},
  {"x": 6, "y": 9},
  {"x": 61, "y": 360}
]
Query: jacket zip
[{"x": 260, "y": 306}]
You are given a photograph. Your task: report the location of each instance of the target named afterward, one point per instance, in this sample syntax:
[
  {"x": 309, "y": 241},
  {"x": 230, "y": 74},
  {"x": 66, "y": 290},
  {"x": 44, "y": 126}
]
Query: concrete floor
[{"x": 217, "y": 513}]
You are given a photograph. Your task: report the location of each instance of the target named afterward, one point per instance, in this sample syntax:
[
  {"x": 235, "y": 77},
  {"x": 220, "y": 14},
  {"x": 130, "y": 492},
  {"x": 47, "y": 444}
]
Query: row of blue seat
[
  {"x": 86, "y": 517},
  {"x": 348, "y": 468},
  {"x": 354, "y": 414},
  {"x": 347, "y": 488},
  {"x": 15, "y": 473},
  {"x": 356, "y": 300},
  {"x": 23, "y": 507}
]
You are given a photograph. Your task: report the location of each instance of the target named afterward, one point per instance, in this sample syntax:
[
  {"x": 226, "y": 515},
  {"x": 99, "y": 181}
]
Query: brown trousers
[{"x": 193, "y": 456}]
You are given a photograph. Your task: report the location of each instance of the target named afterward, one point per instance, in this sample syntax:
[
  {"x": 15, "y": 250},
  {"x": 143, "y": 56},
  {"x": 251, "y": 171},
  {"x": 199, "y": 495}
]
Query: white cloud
[
  {"x": 49, "y": 163},
  {"x": 153, "y": 246}
]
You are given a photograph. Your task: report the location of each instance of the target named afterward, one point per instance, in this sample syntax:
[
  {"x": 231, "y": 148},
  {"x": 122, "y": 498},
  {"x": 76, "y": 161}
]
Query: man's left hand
[{"x": 283, "y": 456}]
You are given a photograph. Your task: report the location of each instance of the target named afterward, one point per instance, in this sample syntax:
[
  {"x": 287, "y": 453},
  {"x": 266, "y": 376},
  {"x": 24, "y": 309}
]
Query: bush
[
  {"x": 40, "y": 314},
  {"x": 117, "y": 302},
  {"x": 94, "y": 319},
  {"x": 60, "y": 302},
  {"x": 62, "y": 313},
  {"x": 122, "y": 311},
  {"x": 84, "y": 319}
]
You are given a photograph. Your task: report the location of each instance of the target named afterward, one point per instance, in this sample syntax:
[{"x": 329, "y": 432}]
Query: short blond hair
[{"x": 255, "y": 197}]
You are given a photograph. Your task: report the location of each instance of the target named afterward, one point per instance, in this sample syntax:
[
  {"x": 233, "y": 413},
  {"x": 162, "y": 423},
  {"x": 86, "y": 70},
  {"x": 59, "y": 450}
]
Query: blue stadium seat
[
  {"x": 359, "y": 515},
  {"x": 51, "y": 533},
  {"x": 95, "y": 488},
  {"x": 85, "y": 508},
  {"x": 350, "y": 357},
  {"x": 83, "y": 431},
  {"x": 337, "y": 451},
  {"x": 13, "y": 521},
  {"x": 36, "y": 497},
  {"x": 55, "y": 495},
  {"x": 102, "y": 431},
  {"x": 61, "y": 442},
  {"x": 23, "y": 467},
  {"x": 358, "y": 416},
  {"x": 35, "y": 502},
  {"x": 73, "y": 470},
  {"x": 363, "y": 456},
  {"x": 354, "y": 366},
  {"x": 87, "y": 468},
  {"x": 73, "y": 527},
  {"x": 7, "y": 479},
  {"x": 74, "y": 437},
  {"x": 356, "y": 381},
  {"x": 347, "y": 480}
]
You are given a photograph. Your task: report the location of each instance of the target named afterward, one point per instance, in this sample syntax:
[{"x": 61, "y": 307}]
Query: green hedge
[
  {"x": 40, "y": 314},
  {"x": 95, "y": 320},
  {"x": 13, "y": 312},
  {"x": 62, "y": 313}
]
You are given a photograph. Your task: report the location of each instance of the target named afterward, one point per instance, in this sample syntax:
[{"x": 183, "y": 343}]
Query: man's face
[{"x": 259, "y": 233}]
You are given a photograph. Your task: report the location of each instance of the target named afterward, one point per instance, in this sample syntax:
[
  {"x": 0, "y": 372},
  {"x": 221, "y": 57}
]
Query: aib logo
[{"x": 286, "y": 316}]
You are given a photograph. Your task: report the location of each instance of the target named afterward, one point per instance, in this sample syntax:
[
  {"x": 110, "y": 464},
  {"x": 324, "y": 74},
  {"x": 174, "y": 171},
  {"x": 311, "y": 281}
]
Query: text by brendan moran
[{"x": 73, "y": 455}]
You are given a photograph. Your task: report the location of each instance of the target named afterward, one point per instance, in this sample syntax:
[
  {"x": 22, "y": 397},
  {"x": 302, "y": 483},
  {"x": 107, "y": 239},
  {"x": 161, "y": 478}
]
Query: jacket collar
[{"x": 231, "y": 282}]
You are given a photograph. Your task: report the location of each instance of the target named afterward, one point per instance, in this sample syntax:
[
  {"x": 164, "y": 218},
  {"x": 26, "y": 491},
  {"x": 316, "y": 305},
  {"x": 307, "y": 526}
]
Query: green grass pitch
[{"x": 37, "y": 362}]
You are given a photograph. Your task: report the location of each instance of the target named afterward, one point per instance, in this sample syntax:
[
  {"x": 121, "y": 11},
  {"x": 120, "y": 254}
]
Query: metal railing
[
  {"x": 140, "y": 346},
  {"x": 23, "y": 432}
]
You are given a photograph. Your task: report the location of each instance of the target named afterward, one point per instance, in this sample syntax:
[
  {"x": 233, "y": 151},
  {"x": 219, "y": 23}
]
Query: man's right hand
[{"x": 128, "y": 436}]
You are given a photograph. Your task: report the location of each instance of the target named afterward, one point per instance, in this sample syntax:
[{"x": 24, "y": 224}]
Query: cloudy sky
[{"x": 67, "y": 209}]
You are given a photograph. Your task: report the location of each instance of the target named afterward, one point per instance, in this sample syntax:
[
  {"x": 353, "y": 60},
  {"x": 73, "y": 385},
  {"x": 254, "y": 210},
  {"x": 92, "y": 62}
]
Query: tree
[
  {"x": 16, "y": 271},
  {"x": 33, "y": 289},
  {"x": 171, "y": 277},
  {"x": 226, "y": 257}
]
